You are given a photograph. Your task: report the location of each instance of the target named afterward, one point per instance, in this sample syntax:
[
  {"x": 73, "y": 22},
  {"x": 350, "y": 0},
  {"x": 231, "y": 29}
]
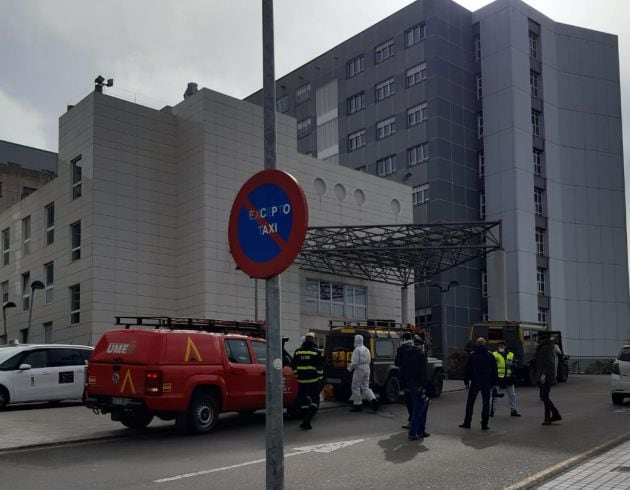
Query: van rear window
[{"x": 624, "y": 355}]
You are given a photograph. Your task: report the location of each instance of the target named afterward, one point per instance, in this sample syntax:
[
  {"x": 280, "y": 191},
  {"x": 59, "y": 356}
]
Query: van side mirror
[{"x": 24, "y": 367}]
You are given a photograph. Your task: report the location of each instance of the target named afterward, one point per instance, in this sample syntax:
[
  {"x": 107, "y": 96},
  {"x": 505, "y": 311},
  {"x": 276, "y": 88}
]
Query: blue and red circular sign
[{"x": 268, "y": 223}]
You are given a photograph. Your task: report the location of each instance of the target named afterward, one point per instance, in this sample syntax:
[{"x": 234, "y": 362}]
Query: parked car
[
  {"x": 620, "y": 377},
  {"x": 42, "y": 373}
]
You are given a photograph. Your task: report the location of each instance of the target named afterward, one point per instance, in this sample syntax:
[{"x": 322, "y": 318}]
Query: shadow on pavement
[
  {"x": 398, "y": 449},
  {"x": 40, "y": 406}
]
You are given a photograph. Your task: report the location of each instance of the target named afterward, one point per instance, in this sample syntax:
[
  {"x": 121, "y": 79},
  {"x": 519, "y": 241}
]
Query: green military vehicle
[{"x": 382, "y": 337}]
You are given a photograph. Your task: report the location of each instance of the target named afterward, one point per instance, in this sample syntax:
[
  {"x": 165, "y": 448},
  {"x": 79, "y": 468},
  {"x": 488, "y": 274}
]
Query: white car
[
  {"x": 49, "y": 372},
  {"x": 620, "y": 377}
]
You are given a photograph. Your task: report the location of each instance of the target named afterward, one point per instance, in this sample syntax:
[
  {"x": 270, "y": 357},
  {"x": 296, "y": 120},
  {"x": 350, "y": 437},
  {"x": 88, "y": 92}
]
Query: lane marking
[{"x": 318, "y": 448}]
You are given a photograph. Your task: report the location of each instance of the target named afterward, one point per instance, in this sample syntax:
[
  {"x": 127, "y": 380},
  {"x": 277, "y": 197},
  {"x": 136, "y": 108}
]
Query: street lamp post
[
  {"x": 34, "y": 285},
  {"x": 8, "y": 304},
  {"x": 443, "y": 291}
]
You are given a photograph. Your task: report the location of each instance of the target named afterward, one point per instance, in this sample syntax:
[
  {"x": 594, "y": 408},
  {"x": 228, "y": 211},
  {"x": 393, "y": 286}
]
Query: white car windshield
[{"x": 6, "y": 352}]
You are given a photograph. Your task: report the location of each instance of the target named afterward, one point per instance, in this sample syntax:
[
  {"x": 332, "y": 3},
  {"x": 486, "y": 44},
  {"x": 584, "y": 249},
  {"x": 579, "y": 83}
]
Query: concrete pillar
[
  {"x": 404, "y": 304},
  {"x": 497, "y": 287}
]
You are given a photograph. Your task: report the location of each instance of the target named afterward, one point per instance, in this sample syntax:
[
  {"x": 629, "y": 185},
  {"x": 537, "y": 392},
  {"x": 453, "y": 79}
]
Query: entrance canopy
[{"x": 397, "y": 254}]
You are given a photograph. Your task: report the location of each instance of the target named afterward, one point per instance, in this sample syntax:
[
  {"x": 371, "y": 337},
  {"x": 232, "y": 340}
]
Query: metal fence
[{"x": 591, "y": 365}]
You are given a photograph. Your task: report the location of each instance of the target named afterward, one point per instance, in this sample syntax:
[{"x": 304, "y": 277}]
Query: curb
[{"x": 546, "y": 474}]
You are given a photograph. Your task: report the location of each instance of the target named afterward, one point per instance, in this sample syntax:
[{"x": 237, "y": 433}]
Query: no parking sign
[{"x": 268, "y": 223}]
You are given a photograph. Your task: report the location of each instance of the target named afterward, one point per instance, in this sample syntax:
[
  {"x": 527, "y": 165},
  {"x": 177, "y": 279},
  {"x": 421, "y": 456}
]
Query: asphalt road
[{"x": 345, "y": 450}]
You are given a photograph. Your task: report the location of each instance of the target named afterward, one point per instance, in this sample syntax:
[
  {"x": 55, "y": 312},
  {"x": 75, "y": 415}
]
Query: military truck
[
  {"x": 382, "y": 337},
  {"x": 521, "y": 338}
]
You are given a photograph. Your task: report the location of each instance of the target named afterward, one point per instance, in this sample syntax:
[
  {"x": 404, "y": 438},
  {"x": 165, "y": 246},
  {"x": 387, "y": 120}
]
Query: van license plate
[
  {"x": 334, "y": 381},
  {"x": 116, "y": 400}
]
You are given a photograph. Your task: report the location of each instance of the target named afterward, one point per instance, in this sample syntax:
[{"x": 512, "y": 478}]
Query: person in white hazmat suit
[{"x": 360, "y": 369}]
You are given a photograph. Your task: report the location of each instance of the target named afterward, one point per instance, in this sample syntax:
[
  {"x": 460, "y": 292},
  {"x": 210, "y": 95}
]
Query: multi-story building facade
[
  {"x": 23, "y": 170},
  {"x": 136, "y": 223},
  {"x": 501, "y": 114}
]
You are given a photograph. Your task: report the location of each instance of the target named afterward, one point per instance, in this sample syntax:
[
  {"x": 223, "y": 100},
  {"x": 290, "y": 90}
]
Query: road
[{"x": 345, "y": 450}]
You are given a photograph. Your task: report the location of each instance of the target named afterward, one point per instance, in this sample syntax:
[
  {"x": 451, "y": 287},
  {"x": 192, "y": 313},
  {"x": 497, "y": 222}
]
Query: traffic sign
[{"x": 268, "y": 223}]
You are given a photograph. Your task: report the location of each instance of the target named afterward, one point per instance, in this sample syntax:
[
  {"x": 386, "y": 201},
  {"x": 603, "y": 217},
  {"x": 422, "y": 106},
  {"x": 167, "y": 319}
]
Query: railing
[{"x": 591, "y": 365}]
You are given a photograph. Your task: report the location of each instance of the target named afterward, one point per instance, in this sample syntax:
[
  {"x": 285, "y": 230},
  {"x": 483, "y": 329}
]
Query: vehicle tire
[
  {"x": 564, "y": 373},
  {"x": 617, "y": 399},
  {"x": 437, "y": 385},
  {"x": 4, "y": 397},
  {"x": 391, "y": 391},
  {"x": 203, "y": 413},
  {"x": 341, "y": 393},
  {"x": 137, "y": 419},
  {"x": 531, "y": 376}
]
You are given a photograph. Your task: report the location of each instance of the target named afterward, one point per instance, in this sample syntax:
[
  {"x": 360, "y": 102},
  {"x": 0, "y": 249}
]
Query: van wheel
[
  {"x": 4, "y": 397},
  {"x": 203, "y": 413},
  {"x": 617, "y": 399},
  {"x": 437, "y": 385},
  {"x": 137, "y": 419},
  {"x": 391, "y": 392}
]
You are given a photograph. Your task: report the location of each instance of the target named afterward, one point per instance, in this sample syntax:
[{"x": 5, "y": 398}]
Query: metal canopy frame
[{"x": 397, "y": 254}]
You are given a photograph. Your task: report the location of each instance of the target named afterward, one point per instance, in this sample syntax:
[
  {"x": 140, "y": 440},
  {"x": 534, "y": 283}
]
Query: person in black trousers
[
  {"x": 398, "y": 362},
  {"x": 414, "y": 371},
  {"x": 480, "y": 375},
  {"x": 546, "y": 372}
]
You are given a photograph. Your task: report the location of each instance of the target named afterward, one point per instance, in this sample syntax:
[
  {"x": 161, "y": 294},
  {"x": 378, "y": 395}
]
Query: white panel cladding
[{"x": 326, "y": 102}]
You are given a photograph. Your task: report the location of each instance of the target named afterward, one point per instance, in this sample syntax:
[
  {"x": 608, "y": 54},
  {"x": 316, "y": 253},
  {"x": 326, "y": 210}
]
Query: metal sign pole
[{"x": 274, "y": 429}]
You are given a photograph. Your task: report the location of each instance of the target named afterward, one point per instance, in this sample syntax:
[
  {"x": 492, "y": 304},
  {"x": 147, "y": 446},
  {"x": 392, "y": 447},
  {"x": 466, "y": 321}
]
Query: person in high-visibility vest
[
  {"x": 308, "y": 365},
  {"x": 505, "y": 379}
]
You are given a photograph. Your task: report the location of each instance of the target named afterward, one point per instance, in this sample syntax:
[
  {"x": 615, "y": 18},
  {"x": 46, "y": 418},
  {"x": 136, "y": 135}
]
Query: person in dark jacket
[
  {"x": 398, "y": 362},
  {"x": 546, "y": 373},
  {"x": 481, "y": 372},
  {"x": 309, "y": 369},
  {"x": 414, "y": 369}
]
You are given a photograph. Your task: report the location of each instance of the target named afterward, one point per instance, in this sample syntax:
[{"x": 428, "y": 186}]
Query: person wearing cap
[
  {"x": 414, "y": 372},
  {"x": 398, "y": 362},
  {"x": 505, "y": 379},
  {"x": 308, "y": 365},
  {"x": 546, "y": 372},
  {"x": 480, "y": 374},
  {"x": 360, "y": 369}
]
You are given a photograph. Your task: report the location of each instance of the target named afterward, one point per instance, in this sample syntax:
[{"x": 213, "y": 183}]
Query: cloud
[{"x": 25, "y": 125}]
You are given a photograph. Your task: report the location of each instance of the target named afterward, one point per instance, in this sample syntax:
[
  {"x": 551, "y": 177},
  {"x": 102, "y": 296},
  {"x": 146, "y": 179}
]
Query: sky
[{"x": 51, "y": 51}]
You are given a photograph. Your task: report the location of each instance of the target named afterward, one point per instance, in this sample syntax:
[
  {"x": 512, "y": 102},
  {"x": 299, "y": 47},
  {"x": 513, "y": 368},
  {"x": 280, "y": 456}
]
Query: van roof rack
[{"x": 246, "y": 327}]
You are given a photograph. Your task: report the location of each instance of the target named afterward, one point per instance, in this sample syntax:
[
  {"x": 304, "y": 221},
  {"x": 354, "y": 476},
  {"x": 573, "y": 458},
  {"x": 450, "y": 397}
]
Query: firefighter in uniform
[
  {"x": 505, "y": 380},
  {"x": 309, "y": 368}
]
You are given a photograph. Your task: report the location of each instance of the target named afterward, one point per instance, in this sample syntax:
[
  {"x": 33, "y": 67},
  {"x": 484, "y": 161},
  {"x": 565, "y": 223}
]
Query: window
[
  {"x": 385, "y": 128},
  {"x": 26, "y": 236},
  {"x": 75, "y": 304},
  {"x": 484, "y": 284},
  {"x": 384, "y": 348},
  {"x": 35, "y": 359},
  {"x": 282, "y": 104},
  {"x": 303, "y": 93},
  {"x": 237, "y": 351},
  {"x": 542, "y": 315},
  {"x": 417, "y": 154},
  {"x": 356, "y": 103},
  {"x": 537, "y": 155},
  {"x": 384, "y": 51},
  {"x": 6, "y": 245},
  {"x": 48, "y": 332},
  {"x": 540, "y": 280},
  {"x": 75, "y": 237},
  {"x": 335, "y": 299},
  {"x": 414, "y": 35},
  {"x": 26, "y": 291},
  {"x": 49, "y": 277},
  {"x": 538, "y": 201},
  {"x": 540, "y": 241},
  {"x": 479, "y": 124},
  {"x": 260, "y": 349},
  {"x": 478, "y": 84},
  {"x": 482, "y": 204},
  {"x": 356, "y": 140},
  {"x": 49, "y": 220},
  {"x": 481, "y": 160},
  {"x": 536, "y": 122},
  {"x": 386, "y": 166},
  {"x": 533, "y": 45},
  {"x": 417, "y": 114},
  {"x": 477, "y": 48},
  {"x": 420, "y": 194},
  {"x": 5, "y": 292},
  {"x": 303, "y": 127},
  {"x": 76, "y": 178},
  {"x": 416, "y": 74},
  {"x": 385, "y": 89},
  {"x": 534, "y": 79},
  {"x": 355, "y": 66}
]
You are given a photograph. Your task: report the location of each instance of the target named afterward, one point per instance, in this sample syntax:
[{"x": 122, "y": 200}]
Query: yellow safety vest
[{"x": 504, "y": 369}]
